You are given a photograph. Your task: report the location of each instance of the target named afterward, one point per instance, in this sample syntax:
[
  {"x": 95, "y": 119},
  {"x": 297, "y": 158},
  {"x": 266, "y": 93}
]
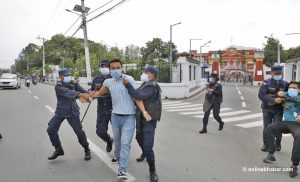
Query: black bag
[{"x": 154, "y": 108}]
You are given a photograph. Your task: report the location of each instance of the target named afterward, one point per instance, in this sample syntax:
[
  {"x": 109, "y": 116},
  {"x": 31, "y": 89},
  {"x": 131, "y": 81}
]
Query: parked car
[{"x": 8, "y": 80}]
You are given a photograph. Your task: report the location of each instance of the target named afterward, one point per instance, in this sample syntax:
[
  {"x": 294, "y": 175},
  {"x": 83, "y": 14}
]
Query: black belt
[{"x": 122, "y": 115}]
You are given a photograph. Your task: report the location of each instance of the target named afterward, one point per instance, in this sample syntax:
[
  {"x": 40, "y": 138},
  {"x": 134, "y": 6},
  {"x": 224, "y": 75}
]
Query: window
[
  {"x": 190, "y": 71},
  {"x": 215, "y": 55},
  {"x": 194, "y": 72}
]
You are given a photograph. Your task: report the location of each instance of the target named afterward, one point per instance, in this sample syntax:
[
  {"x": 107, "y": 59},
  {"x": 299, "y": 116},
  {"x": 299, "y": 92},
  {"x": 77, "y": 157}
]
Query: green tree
[{"x": 270, "y": 51}]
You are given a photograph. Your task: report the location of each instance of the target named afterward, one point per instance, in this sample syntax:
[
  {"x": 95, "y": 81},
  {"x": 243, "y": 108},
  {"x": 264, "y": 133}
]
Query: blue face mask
[
  {"x": 104, "y": 71},
  {"x": 277, "y": 77},
  {"x": 116, "y": 73},
  {"x": 292, "y": 92},
  {"x": 67, "y": 79}
]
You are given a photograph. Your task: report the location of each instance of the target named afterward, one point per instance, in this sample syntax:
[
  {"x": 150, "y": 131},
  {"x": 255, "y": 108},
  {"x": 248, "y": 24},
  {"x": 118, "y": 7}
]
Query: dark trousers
[
  {"x": 271, "y": 116},
  {"x": 145, "y": 138},
  {"x": 102, "y": 127},
  {"x": 285, "y": 127},
  {"x": 216, "y": 114},
  {"x": 54, "y": 125}
]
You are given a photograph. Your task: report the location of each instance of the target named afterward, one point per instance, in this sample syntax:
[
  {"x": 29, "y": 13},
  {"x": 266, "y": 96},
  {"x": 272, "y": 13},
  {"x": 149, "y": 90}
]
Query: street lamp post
[
  {"x": 191, "y": 44},
  {"x": 171, "y": 50},
  {"x": 201, "y": 49},
  {"x": 278, "y": 48}
]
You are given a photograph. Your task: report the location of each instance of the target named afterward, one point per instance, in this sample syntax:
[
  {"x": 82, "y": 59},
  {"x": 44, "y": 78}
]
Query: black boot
[
  {"x": 58, "y": 151},
  {"x": 141, "y": 158},
  {"x": 221, "y": 125},
  {"x": 0, "y": 136},
  {"x": 204, "y": 130},
  {"x": 109, "y": 145},
  {"x": 153, "y": 174},
  {"x": 87, "y": 153},
  {"x": 294, "y": 172}
]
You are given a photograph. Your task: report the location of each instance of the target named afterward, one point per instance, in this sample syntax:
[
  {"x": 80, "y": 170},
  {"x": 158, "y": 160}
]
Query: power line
[
  {"x": 100, "y": 7},
  {"x": 72, "y": 25},
  {"x": 108, "y": 10}
]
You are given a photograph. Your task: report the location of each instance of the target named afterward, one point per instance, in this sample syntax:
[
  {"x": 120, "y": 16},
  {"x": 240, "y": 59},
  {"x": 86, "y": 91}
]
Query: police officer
[
  {"x": 67, "y": 92},
  {"x": 213, "y": 100},
  {"x": 272, "y": 104},
  {"x": 148, "y": 99},
  {"x": 104, "y": 106}
]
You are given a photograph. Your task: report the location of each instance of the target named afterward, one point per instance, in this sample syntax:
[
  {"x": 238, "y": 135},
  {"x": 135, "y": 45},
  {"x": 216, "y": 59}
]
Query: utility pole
[
  {"x": 171, "y": 50},
  {"x": 84, "y": 10},
  {"x": 43, "y": 39},
  {"x": 27, "y": 61}
]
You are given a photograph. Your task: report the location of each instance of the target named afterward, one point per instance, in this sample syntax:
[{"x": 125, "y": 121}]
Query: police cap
[
  {"x": 64, "y": 72},
  {"x": 276, "y": 69},
  {"x": 104, "y": 62},
  {"x": 151, "y": 69}
]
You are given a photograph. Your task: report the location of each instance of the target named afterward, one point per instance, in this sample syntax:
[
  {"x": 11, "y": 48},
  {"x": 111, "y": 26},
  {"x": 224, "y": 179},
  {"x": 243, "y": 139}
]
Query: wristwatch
[{"x": 144, "y": 112}]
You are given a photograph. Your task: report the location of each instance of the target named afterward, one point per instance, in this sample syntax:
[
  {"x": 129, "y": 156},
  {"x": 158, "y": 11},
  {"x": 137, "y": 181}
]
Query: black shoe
[
  {"x": 278, "y": 147},
  {"x": 294, "y": 172},
  {"x": 58, "y": 151},
  {"x": 0, "y": 136},
  {"x": 153, "y": 176},
  {"x": 141, "y": 158},
  {"x": 122, "y": 176},
  {"x": 115, "y": 160},
  {"x": 87, "y": 154},
  {"x": 270, "y": 159},
  {"x": 203, "y": 131},
  {"x": 109, "y": 145},
  {"x": 264, "y": 148},
  {"x": 221, "y": 126}
]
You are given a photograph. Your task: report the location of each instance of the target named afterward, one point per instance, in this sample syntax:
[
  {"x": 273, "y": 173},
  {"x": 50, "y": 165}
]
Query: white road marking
[
  {"x": 185, "y": 109},
  {"x": 36, "y": 97},
  {"x": 106, "y": 159},
  {"x": 49, "y": 108},
  {"x": 185, "y": 106},
  {"x": 227, "y": 114},
  {"x": 287, "y": 135},
  {"x": 179, "y": 104},
  {"x": 171, "y": 102},
  {"x": 242, "y": 98},
  {"x": 29, "y": 91},
  {"x": 239, "y": 92},
  {"x": 200, "y": 111},
  {"x": 239, "y": 118},
  {"x": 243, "y": 104},
  {"x": 251, "y": 124}
]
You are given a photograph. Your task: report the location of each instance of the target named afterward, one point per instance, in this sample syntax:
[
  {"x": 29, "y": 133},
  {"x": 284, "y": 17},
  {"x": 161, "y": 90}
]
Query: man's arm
[
  {"x": 262, "y": 94},
  {"x": 143, "y": 94},
  {"x": 218, "y": 90},
  {"x": 141, "y": 106}
]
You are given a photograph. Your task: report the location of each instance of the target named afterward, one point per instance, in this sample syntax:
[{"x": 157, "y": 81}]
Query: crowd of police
[{"x": 117, "y": 97}]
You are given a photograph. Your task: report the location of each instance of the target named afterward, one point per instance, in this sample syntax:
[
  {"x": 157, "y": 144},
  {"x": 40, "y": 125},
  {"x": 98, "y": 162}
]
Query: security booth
[{"x": 291, "y": 70}]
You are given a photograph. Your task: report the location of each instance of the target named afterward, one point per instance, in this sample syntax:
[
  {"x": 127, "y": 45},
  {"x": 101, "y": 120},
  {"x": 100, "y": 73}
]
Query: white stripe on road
[
  {"x": 29, "y": 91},
  {"x": 50, "y": 109},
  {"x": 179, "y": 104},
  {"x": 106, "y": 159},
  {"x": 186, "y": 106},
  {"x": 239, "y": 118},
  {"x": 239, "y": 92},
  {"x": 251, "y": 124},
  {"x": 243, "y": 104},
  {"x": 36, "y": 97},
  {"x": 287, "y": 135},
  {"x": 197, "y": 112},
  {"x": 171, "y": 102},
  {"x": 242, "y": 98},
  {"x": 227, "y": 114},
  {"x": 185, "y": 109}
]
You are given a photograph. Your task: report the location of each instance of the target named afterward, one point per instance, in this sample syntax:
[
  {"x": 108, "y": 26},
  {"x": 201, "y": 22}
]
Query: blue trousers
[
  {"x": 54, "y": 125},
  {"x": 145, "y": 138},
  {"x": 102, "y": 127},
  {"x": 271, "y": 116}
]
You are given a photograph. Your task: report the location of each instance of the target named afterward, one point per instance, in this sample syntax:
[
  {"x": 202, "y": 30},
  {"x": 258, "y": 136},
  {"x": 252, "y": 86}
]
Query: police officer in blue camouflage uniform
[
  {"x": 271, "y": 103},
  {"x": 147, "y": 115},
  {"x": 104, "y": 106},
  {"x": 67, "y": 91}
]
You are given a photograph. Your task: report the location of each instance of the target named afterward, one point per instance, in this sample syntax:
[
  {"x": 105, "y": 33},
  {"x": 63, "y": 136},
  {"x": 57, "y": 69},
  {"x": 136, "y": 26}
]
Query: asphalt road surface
[{"x": 182, "y": 154}]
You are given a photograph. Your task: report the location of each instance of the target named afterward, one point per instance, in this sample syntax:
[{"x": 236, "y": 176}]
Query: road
[{"x": 182, "y": 154}]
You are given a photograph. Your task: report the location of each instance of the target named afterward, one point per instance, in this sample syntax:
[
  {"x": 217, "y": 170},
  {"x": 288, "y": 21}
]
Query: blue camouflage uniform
[
  {"x": 104, "y": 109},
  {"x": 67, "y": 108},
  {"x": 272, "y": 112}
]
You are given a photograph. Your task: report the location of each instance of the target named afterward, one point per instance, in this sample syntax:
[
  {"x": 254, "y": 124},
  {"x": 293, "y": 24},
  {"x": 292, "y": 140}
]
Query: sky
[{"x": 223, "y": 22}]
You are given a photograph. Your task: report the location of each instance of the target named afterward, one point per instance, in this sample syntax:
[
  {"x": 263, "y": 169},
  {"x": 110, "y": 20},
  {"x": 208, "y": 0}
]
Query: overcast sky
[{"x": 224, "y": 22}]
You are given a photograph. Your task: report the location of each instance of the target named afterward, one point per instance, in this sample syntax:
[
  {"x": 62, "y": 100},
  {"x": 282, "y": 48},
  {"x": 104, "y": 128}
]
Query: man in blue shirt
[
  {"x": 123, "y": 114},
  {"x": 67, "y": 91},
  {"x": 104, "y": 106},
  {"x": 290, "y": 124}
]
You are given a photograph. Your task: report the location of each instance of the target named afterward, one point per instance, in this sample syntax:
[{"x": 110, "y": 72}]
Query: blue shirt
[
  {"x": 121, "y": 101},
  {"x": 291, "y": 108}
]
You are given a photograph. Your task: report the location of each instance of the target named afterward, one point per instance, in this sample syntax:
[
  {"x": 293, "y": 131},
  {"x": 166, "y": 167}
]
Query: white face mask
[{"x": 144, "y": 77}]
